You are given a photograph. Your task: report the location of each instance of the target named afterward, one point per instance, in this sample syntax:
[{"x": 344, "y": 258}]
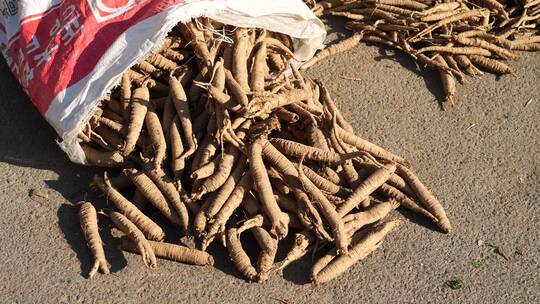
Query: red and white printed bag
[{"x": 69, "y": 54}]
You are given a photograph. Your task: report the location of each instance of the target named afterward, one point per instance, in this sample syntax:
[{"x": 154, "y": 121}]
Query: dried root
[{"x": 89, "y": 226}]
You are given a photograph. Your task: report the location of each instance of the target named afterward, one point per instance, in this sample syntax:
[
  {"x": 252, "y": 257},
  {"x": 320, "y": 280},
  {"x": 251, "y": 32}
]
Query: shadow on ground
[
  {"x": 431, "y": 77},
  {"x": 27, "y": 140},
  {"x": 336, "y": 31}
]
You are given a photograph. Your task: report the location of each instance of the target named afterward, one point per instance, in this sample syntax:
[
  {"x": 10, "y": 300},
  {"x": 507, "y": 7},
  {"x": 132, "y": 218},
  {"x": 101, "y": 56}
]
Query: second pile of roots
[
  {"x": 453, "y": 37},
  {"x": 222, "y": 136}
]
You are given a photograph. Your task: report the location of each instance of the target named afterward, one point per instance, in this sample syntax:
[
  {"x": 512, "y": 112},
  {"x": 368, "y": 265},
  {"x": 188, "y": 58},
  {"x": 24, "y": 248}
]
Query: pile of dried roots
[
  {"x": 220, "y": 135},
  {"x": 452, "y": 37}
]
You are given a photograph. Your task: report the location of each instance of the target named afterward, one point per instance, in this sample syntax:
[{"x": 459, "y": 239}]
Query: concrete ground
[{"x": 482, "y": 159}]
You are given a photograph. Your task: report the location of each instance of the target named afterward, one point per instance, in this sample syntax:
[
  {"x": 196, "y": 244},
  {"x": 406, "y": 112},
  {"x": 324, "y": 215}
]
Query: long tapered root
[
  {"x": 239, "y": 256},
  {"x": 134, "y": 234},
  {"x": 150, "y": 229},
  {"x": 334, "y": 49},
  {"x": 359, "y": 251},
  {"x": 427, "y": 199},
  {"x": 264, "y": 190},
  {"x": 89, "y": 225},
  {"x": 172, "y": 252}
]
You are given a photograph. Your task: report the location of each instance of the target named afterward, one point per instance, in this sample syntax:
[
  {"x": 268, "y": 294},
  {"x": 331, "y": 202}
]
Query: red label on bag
[{"x": 57, "y": 48}]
